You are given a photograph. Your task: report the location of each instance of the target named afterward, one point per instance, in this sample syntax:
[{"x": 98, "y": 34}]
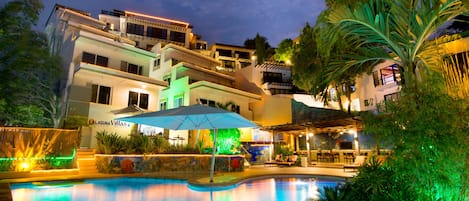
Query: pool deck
[{"x": 199, "y": 179}]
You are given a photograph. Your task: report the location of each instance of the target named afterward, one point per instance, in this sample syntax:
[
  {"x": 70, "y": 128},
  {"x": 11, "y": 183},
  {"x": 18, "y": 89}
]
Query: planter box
[{"x": 167, "y": 163}]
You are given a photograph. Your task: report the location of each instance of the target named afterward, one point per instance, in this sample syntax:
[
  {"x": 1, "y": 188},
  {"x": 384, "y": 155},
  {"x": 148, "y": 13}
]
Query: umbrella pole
[
  {"x": 212, "y": 167},
  {"x": 197, "y": 137}
]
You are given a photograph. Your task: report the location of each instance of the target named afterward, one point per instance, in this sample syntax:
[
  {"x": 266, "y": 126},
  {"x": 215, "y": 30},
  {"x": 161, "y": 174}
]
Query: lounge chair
[
  {"x": 278, "y": 158},
  {"x": 359, "y": 161},
  {"x": 291, "y": 160}
]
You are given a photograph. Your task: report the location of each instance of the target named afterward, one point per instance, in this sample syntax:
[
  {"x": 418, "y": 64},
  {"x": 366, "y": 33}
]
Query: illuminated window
[
  {"x": 163, "y": 105},
  {"x": 139, "y": 99},
  {"x": 391, "y": 97},
  {"x": 100, "y": 94},
  {"x": 333, "y": 96},
  {"x": 387, "y": 75},
  {"x": 178, "y": 101}
]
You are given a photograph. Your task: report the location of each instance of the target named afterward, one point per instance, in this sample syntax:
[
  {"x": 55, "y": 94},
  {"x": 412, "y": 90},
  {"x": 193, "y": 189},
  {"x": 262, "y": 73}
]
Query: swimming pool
[{"x": 150, "y": 189}]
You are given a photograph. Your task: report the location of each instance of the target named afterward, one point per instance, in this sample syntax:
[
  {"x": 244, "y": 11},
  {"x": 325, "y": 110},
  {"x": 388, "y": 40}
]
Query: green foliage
[
  {"x": 139, "y": 144},
  {"x": 284, "y": 51},
  {"x": 429, "y": 131},
  {"x": 283, "y": 149},
  {"x": 227, "y": 141},
  {"x": 340, "y": 192},
  {"x": 75, "y": 121},
  {"x": 377, "y": 181},
  {"x": 399, "y": 30},
  {"x": 28, "y": 116},
  {"x": 262, "y": 47},
  {"x": 28, "y": 72},
  {"x": 109, "y": 143},
  {"x": 182, "y": 149},
  {"x": 200, "y": 145},
  {"x": 306, "y": 62},
  {"x": 6, "y": 165},
  {"x": 160, "y": 144}
]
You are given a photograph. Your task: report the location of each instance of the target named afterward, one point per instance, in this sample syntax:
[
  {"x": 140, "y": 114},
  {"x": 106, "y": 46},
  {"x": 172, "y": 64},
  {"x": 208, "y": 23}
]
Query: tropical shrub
[
  {"x": 160, "y": 144},
  {"x": 109, "y": 143},
  {"x": 182, "y": 149},
  {"x": 139, "y": 144}
]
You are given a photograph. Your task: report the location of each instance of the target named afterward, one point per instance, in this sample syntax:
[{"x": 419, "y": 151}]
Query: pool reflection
[{"x": 135, "y": 189}]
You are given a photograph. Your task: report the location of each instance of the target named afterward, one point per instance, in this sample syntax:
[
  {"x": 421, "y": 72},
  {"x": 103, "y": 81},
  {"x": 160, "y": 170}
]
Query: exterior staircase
[{"x": 86, "y": 161}]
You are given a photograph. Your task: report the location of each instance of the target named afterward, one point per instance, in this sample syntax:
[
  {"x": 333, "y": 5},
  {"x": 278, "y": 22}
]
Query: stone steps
[{"x": 86, "y": 161}]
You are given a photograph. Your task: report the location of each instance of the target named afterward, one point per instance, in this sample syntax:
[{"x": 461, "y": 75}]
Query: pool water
[{"x": 149, "y": 189}]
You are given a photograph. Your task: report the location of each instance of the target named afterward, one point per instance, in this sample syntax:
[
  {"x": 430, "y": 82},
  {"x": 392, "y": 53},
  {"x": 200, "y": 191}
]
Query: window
[
  {"x": 225, "y": 53},
  {"x": 243, "y": 55},
  {"x": 178, "y": 101},
  {"x": 228, "y": 64},
  {"x": 235, "y": 108},
  {"x": 201, "y": 46},
  {"x": 389, "y": 75},
  {"x": 376, "y": 79},
  {"x": 177, "y": 36},
  {"x": 210, "y": 103},
  {"x": 157, "y": 33},
  {"x": 348, "y": 87},
  {"x": 174, "y": 61},
  {"x": 94, "y": 59},
  {"x": 100, "y": 94},
  {"x": 138, "y": 99},
  {"x": 101, "y": 61},
  {"x": 368, "y": 102},
  {"x": 271, "y": 77},
  {"x": 163, "y": 105},
  {"x": 136, "y": 29},
  {"x": 391, "y": 97},
  {"x": 88, "y": 58},
  {"x": 131, "y": 68},
  {"x": 333, "y": 96},
  {"x": 156, "y": 64}
]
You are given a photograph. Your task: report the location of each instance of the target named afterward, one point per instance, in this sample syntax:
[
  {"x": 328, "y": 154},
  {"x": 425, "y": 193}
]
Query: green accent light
[
  {"x": 227, "y": 141},
  {"x": 71, "y": 157}
]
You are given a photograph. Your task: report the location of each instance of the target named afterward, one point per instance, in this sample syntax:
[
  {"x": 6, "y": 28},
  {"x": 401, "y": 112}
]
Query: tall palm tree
[{"x": 399, "y": 30}]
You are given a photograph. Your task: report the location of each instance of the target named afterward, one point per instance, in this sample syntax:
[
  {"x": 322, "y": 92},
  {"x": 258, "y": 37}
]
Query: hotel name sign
[{"x": 115, "y": 123}]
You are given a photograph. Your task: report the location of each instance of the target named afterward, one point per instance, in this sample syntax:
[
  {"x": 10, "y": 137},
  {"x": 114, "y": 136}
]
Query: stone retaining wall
[{"x": 167, "y": 162}]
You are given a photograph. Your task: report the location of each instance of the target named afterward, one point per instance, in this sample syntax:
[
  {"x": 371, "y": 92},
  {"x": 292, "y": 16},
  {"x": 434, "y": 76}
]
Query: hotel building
[{"x": 104, "y": 74}]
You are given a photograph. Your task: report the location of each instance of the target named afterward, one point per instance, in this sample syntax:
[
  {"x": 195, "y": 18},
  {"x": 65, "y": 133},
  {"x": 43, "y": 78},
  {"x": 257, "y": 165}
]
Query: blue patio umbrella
[{"x": 191, "y": 118}]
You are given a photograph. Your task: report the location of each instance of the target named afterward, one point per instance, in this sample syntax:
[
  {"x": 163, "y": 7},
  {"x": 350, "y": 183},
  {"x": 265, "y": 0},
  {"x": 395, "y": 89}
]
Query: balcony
[{"x": 117, "y": 74}]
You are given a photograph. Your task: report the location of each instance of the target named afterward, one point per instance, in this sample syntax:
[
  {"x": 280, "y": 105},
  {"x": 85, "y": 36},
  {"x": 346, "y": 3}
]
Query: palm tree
[{"x": 399, "y": 30}]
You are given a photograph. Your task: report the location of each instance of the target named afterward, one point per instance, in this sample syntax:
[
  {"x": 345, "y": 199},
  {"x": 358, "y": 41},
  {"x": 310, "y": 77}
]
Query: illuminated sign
[{"x": 108, "y": 123}]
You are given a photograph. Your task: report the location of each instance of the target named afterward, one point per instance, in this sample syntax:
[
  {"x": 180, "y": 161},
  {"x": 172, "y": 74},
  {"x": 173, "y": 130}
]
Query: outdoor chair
[
  {"x": 278, "y": 158},
  {"x": 359, "y": 161},
  {"x": 291, "y": 160}
]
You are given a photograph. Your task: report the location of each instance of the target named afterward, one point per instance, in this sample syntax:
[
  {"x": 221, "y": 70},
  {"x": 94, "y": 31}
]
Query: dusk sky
[{"x": 217, "y": 21}]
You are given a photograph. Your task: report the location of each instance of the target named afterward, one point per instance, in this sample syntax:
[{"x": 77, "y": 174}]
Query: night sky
[{"x": 217, "y": 21}]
